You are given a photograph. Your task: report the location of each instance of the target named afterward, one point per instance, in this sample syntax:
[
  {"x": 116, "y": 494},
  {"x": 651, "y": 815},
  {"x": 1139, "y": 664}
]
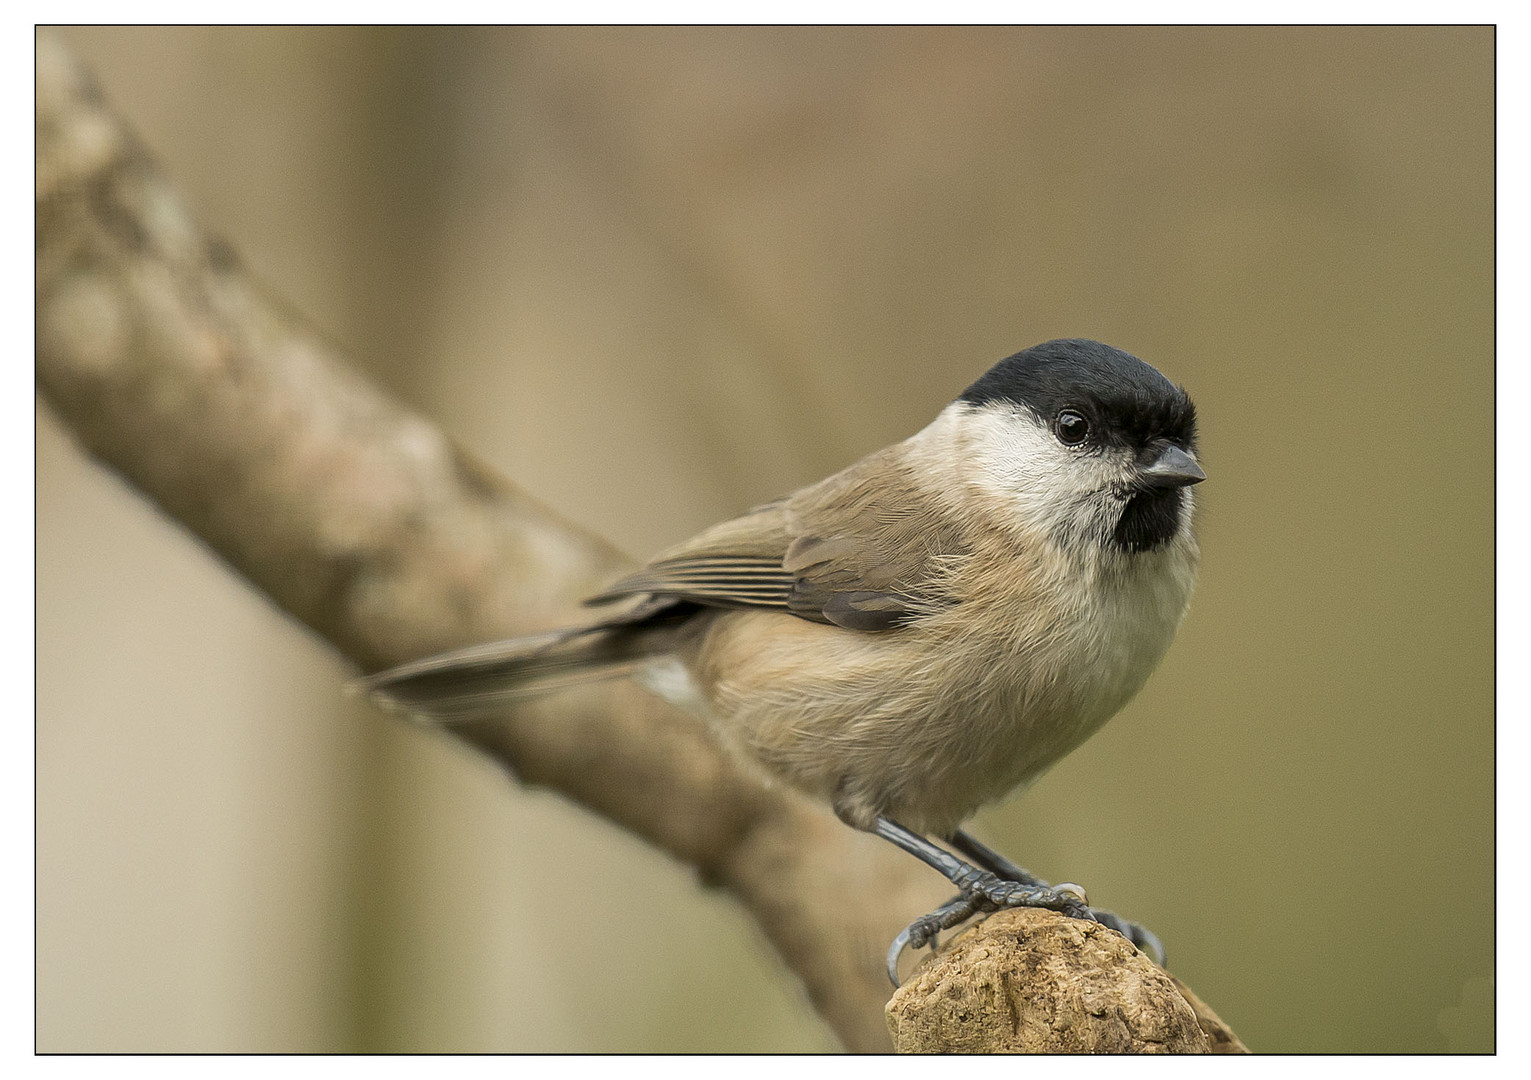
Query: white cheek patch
[{"x": 1056, "y": 489}]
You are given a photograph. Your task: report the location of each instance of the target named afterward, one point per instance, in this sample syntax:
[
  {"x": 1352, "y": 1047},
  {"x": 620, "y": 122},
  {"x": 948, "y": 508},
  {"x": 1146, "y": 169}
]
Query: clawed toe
[
  {"x": 1066, "y": 899},
  {"x": 923, "y": 930},
  {"x": 985, "y": 893},
  {"x": 993, "y": 893},
  {"x": 1076, "y": 891}
]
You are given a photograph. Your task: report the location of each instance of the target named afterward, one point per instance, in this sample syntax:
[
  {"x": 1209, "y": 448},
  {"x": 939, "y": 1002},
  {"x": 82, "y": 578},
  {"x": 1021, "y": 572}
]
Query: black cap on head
[{"x": 1127, "y": 400}]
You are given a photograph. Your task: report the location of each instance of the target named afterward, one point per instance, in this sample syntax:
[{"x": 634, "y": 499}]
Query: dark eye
[{"x": 1071, "y": 428}]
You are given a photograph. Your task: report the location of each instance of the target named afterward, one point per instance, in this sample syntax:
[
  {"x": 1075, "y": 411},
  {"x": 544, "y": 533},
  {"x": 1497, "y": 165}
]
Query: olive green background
[{"x": 661, "y": 275}]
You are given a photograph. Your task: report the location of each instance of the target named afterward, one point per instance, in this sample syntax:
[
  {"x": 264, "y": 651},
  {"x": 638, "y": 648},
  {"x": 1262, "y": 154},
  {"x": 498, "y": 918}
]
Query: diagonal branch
[{"x": 364, "y": 522}]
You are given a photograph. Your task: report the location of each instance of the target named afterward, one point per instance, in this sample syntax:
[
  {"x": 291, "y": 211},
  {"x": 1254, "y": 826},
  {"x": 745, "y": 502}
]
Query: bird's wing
[{"x": 861, "y": 550}]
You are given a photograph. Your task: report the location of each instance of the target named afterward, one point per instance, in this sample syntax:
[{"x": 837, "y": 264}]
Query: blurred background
[{"x": 660, "y": 275}]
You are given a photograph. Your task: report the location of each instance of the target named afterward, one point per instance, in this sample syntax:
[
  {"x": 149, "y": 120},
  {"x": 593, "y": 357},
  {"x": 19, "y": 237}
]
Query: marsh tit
[{"x": 926, "y": 631}]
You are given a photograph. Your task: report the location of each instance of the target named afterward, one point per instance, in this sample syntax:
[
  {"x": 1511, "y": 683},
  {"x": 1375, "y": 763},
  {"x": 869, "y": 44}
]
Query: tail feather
[{"x": 474, "y": 681}]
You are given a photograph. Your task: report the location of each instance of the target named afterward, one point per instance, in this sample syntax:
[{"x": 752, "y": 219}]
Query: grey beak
[{"x": 1173, "y": 468}]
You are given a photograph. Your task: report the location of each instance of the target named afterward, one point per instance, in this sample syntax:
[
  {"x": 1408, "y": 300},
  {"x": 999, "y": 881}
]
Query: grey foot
[
  {"x": 1066, "y": 899},
  {"x": 986, "y": 892},
  {"x": 923, "y": 930},
  {"x": 989, "y": 859}
]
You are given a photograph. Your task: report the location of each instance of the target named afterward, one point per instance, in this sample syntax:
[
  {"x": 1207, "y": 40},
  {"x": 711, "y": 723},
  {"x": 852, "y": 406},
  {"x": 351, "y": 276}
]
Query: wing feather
[{"x": 854, "y": 550}]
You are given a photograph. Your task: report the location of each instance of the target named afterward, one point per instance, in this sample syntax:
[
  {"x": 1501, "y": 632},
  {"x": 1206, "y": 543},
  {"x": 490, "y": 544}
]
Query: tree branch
[
  {"x": 364, "y": 522},
  {"x": 1031, "y": 982}
]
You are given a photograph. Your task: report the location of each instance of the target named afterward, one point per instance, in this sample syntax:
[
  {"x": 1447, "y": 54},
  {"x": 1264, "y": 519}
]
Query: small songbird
[{"x": 922, "y": 633}]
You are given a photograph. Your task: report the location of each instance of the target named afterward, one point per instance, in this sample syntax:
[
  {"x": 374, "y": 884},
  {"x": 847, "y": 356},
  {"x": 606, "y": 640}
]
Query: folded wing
[{"x": 863, "y": 550}]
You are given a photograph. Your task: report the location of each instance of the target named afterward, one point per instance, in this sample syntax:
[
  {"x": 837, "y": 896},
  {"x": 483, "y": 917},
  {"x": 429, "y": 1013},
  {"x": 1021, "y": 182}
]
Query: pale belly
[{"x": 927, "y": 724}]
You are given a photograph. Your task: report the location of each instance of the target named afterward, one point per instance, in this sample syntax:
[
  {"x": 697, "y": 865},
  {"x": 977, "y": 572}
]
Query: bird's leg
[
  {"x": 992, "y": 860},
  {"x": 981, "y": 890},
  {"x": 987, "y": 890}
]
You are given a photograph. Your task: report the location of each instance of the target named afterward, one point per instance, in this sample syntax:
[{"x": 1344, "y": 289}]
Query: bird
[{"x": 920, "y": 634}]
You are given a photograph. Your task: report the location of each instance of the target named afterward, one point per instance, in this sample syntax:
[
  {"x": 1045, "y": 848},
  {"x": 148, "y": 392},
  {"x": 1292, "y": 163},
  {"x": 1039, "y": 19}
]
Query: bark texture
[
  {"x": 1027, "y": 981},
  {"x": 365, "y": 523}
]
